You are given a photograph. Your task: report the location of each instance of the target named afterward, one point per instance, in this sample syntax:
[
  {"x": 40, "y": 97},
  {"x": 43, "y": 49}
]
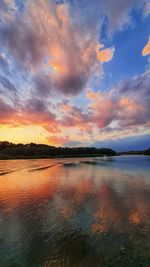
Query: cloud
[
  {"x": 58, "y": 140},
  {"x": 64, "y": 44},
  {"x": 91, "y": 95},
  {"x": 99, "y": 113},
  {"x": 33, "y": 112},
  {"x": 146, "y": 49},
  {"x": 137, "y": 84},
  {"x": 4, "y": 62},
  {"x": 7, "y": 84},
  {"x": 105, "y": 55},
  {"x": 146, "y": 10},
  {"x": 36, "y": 111},
  {"x": 64, "y": 52},
  {"x": 7, "y": 113},
  {"x": 131, "y": 112},
  {"x": 134, "y": 103},
  {"x": 43, "y": 85},
  {"x": 7, "y": 10},
  {"x": 8, "y": 90},
  {"x": 127, "y": 108},
  {"x": 108, "y": 113},
  {"x": 118, "y": 13},
  {"x": 104, "y": 109},
  {"x": 23, "y": 43},
  {"x": 51, "y": 50},
  {"x": 73, "y": 116}
]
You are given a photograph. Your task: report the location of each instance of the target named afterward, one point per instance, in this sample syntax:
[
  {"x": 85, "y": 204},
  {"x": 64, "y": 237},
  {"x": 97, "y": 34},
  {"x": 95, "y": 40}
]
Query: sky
[{"x": 75, "y": 72}]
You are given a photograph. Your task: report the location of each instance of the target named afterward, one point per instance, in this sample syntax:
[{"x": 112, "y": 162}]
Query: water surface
[{"x": 85, "y": 214}]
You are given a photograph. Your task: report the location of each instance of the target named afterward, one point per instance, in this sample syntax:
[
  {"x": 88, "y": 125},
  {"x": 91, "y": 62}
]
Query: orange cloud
[
  {"x": 105, "y": 55},
  {"x": 91, "y": 95},
  {"x": 54, "y": 39},
  {"x": 70, "y": 50},
  {"x": 58, "y": 140},
  {"x": 34, "y": 112},
  {"x": 130, "y": 109},
  {"x": 129, "y": 104},
  {"x": 146, "y": 49}
]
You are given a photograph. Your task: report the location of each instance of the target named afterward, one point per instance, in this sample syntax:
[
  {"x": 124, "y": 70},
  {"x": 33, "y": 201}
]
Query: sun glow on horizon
[{"x": 23, "y": 134}]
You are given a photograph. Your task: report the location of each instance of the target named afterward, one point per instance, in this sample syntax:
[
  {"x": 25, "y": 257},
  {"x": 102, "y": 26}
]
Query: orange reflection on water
[
  {"x": 79, "y": 192},
  {"x": 17, "y": 186},
  {"x": 135, "y": 218},
  {"x": 99, "y": 228},
  {"x": 64, "y": 214}
]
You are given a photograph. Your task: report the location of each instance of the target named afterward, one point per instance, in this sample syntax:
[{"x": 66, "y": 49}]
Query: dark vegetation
[
  {"x": 20, "y": 151},
  {"x": 147, "y": 151},
  {"x": 137, "y": 152},
  {"x": 13, "y": 151}
]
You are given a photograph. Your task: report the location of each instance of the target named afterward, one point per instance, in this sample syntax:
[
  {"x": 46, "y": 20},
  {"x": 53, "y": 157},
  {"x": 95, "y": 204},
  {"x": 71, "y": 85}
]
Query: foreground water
[{"x": 84, "y": 214}]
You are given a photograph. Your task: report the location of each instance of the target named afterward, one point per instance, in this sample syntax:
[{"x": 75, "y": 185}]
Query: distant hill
[
  {"x": 147, "y": 151},
  {"x": 136, "y": 152},
  {"x": 11, "y": 151}
]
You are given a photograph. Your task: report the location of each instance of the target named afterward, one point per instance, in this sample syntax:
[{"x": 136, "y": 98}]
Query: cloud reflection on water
[{"x": 84, "y": 216}]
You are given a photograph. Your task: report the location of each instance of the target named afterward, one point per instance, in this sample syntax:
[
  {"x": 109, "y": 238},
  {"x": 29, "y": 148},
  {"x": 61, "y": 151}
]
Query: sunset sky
[{"x": 75, "y": 72}]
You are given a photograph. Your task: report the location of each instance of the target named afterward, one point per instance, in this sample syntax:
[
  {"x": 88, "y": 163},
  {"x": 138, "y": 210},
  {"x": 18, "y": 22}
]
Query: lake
[{"x": 81, "y": 213}]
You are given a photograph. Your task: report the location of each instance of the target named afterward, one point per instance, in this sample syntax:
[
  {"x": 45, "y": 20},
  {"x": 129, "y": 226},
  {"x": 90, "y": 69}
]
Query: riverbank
[{"x": 51, "y": 157}]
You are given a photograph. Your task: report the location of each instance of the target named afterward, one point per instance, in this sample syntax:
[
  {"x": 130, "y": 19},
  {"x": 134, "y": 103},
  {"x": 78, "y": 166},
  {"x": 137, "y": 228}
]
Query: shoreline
[
  {"x": 54, "y": 157},
  {"x": 68, "y": 156}
]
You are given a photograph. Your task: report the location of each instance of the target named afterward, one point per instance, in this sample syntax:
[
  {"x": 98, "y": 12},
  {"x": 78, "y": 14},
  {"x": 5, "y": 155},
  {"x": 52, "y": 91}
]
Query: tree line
[{"x": 32, "y": 150}]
